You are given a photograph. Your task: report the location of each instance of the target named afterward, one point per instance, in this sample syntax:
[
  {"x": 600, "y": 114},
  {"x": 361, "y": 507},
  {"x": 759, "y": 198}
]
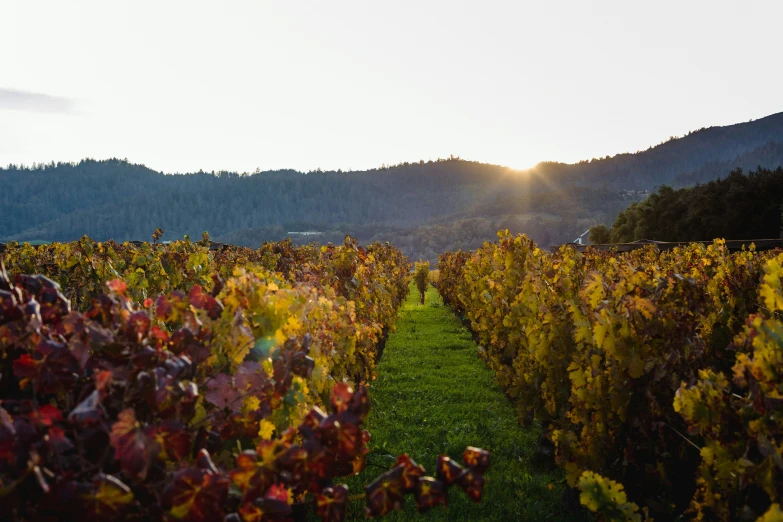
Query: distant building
[
  {"x": 309, "y": 233},
  {"x": 582, "y": 240}
]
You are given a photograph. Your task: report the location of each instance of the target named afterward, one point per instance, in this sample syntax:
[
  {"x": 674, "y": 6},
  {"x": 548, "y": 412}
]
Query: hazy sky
[{"x": 235, "y": 85}]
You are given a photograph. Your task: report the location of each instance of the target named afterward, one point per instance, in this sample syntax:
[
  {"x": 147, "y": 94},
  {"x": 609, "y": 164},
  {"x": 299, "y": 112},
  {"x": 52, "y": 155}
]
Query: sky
[{"x": 239, "y": 85}]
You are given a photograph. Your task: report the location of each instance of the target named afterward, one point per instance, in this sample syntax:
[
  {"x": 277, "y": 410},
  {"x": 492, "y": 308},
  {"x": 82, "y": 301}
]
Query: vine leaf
[{"x": 131, "y": 445}]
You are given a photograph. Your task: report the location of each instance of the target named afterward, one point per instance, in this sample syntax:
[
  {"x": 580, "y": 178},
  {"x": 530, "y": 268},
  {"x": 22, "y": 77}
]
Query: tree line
[{"x": 739, "y": 206}]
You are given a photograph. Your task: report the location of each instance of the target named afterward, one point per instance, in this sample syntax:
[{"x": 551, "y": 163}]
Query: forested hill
[
  {"x": 120, "y": 200},
  {"x": 698, "y": 157},
  {"x": 739, "y": 206},
  {"x": 424, "y": 207}
]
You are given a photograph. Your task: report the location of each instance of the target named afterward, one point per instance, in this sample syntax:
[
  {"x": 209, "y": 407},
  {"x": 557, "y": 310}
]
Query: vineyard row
[
  {"x": 176, "y": 382},
  {"x": 660, "y": 371}
]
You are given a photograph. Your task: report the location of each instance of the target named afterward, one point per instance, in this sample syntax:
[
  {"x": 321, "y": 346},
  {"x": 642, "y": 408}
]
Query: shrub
[
  {"x": 599, "y": 234},
  {"x": 422, "y": 277}
]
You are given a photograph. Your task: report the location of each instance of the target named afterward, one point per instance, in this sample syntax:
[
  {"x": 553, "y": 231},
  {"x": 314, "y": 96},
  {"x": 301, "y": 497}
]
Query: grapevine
[
  {"x": 623, "y": 359},
  {"x": 199, "y": 406}
]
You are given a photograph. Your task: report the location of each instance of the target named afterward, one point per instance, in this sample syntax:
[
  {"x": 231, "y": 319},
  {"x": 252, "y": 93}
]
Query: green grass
[{"x": 433, "y": 396}]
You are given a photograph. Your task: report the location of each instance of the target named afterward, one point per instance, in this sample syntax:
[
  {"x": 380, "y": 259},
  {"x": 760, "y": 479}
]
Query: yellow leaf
[
  {"x": 599, "y": 333},
  {"x": 708, "y": 455},
  {"x": 594, "y": 291},
  {"x": 773, "y": 514},
  {"x": 266, "y": 429},
  {"x": 645, "y": 306},
  {"x": 577, "y": 375},
  {"x": 252, "y": 403}
]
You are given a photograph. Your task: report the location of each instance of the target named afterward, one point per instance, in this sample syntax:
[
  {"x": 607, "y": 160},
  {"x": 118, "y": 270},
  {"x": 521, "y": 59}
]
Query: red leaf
[
  {"x": 26, "y": 367},
  {"x": 251, "y": 378},
  {"x": 54, "y": 372},
  {"x": 118, "y": 286},
  {"x": 173, "y": 438},
  {"x": 412, "y": 472},
  {"x": 185, "y": 341},
  {"x": 217, "y": 284},
  {"x": 160, "y": 335},
  {"x": 247, "y": 464},
  {"x": 294, "y": 461},
  {"x": 131, "y": 446},
  {"x": 274, "y": 508},
  {"x": 329, "y": 430},
  {"x": 349, "y": 441},
  {"x": 360, "y": 462},
  {"x": 47, "y": 415},
  {"x": 203, "y": 301},
  {"x": 429, "y": 493},
  {"x": 330, "y": 504},
  {"x": 360, "y": 403},
  {"x": 342, "y": 394},
  {"x": 138, "y": 325},
  {"x": 103, "y": 381},
  {"x": 313, "y": 419},
  {"x": 58, "y": 370},
  {"x": 53, "y": 304},
  {"x": 476, "y": 459},
  {"x": 222, "y": 392},
  {"x": 472, "y": 483},
  {"x": 448, "y": 471},
  {"x": 385, "y": 493},
  {"x": 254, "y": 475},
  {"x": 85, "y": 335},
  {"x": 349, "y": 403},
  {"x": 277, "y": 492},
  {"x": 238, "y": 426},
  {"x": 163, "y": 307},
  {"x": 195, "y": 495}
]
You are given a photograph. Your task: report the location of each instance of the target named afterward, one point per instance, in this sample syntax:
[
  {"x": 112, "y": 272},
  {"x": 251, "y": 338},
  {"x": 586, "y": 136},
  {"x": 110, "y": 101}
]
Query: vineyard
[
  {"x": 149, "y": 381},
  {"x": 172, "y": 382},
  {"x": 656, "y": 376}
]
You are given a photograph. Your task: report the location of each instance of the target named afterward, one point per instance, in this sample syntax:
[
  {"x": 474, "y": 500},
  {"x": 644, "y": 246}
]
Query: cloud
[{"x": 15, "y": 100}]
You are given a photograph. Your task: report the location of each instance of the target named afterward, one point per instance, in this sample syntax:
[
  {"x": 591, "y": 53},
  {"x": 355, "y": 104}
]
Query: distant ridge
[
  {"x": 425, "y": 207},
  {"x": 681, "y": 161}
]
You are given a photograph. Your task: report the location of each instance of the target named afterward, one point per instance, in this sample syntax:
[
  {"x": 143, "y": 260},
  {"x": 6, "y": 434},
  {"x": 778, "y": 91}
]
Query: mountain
[
  {"x": 424, "y": 207},
  {"x": 678, "y": 161},
  {"x": 116, "y": 199}
]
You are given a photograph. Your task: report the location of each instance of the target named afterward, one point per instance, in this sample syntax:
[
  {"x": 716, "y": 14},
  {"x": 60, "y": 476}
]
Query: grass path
[{"x": 433, "y": 395}]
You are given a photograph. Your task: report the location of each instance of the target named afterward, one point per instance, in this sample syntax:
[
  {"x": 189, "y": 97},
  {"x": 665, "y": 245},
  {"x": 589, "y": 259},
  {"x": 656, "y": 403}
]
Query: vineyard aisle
[{"x": 433, "y": 395}]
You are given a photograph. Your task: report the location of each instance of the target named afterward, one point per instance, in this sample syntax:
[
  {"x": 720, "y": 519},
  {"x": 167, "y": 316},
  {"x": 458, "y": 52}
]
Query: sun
[{"x": 521, "y": 163}]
